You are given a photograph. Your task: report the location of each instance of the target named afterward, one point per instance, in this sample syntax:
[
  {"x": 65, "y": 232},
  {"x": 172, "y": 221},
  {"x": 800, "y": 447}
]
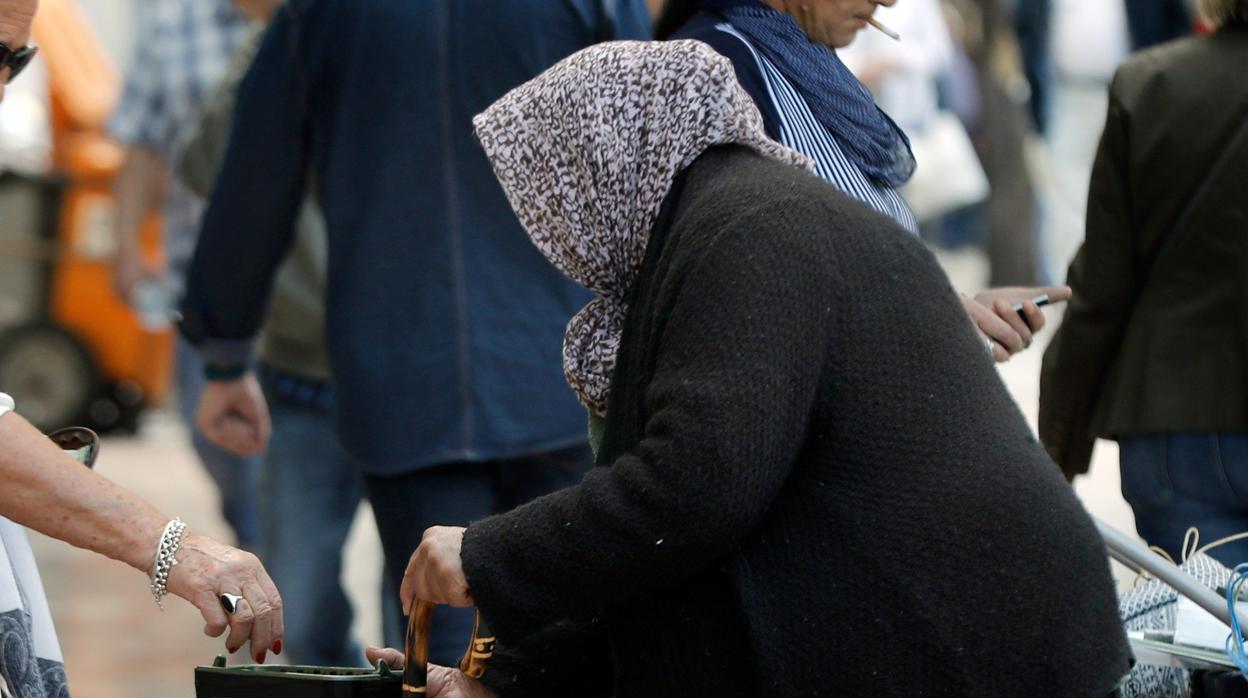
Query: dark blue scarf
[{"x": 841, "y": 103}]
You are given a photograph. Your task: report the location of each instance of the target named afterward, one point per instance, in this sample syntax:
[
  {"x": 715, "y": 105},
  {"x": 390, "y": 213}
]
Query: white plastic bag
[{"x": 949, "y": 175}]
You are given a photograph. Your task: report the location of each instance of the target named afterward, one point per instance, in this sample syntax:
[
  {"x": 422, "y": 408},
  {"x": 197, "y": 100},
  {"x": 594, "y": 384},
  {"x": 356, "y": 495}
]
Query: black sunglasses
[
  {"x": 82, "y": 444},
  {"x": 16, "y": 61}
]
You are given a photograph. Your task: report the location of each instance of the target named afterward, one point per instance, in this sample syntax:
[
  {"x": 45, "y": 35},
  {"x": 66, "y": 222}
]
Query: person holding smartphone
[{"x": 784, "y": 54}]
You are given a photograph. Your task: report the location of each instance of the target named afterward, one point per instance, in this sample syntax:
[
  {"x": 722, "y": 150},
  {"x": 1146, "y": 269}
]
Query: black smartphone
[{"x": 1040, "y": 300}]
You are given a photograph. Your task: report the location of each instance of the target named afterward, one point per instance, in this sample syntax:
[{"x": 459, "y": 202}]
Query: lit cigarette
[{"x": 887, "y": 32}]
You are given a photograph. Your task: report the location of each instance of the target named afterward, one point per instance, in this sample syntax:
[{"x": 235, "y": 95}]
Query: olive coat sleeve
[{"x": 1105, "y": 281}]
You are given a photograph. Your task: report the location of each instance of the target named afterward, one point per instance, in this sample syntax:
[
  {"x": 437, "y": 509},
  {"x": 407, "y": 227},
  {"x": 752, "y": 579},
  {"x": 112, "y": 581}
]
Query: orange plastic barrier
[{"x": 84, "y": 87}]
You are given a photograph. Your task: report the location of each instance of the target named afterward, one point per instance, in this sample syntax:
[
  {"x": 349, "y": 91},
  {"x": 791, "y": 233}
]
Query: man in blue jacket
[{"x": 444, "y": 324}]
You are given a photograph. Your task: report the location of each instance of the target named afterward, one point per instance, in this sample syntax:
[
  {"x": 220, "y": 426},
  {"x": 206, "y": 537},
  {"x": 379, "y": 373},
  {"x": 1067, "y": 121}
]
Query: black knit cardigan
[{"x": 813, "y": 482}]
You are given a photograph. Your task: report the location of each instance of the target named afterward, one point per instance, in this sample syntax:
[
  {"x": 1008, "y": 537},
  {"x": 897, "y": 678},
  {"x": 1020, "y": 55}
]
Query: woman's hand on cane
[{"x": 435, "y": 572}]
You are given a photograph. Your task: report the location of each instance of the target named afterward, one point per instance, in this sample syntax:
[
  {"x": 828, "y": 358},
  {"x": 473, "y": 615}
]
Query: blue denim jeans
[
  {"x": 234, "y": 476},
  {"x": 309, "y": 493},
  {"x": 454, "y": 495},
  {"x": 1177, "y": 480}
]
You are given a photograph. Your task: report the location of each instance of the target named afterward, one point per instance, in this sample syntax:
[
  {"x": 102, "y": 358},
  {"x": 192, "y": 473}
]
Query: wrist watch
[{"x": 222, "y": 373}]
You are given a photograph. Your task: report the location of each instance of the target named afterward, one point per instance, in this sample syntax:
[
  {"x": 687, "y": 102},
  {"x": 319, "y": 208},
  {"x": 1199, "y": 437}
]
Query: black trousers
[{"x": 457, "y": 494}]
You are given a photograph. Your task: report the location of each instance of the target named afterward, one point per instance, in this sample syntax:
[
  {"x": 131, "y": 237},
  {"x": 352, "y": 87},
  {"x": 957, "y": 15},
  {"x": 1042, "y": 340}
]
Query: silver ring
[
  {"x": 230, "y": 603},
  {"x": 989, "y": 343}
]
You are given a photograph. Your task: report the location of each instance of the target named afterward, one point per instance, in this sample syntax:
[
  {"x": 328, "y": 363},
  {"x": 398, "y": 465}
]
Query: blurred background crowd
[{"x": 111, "y": 142}]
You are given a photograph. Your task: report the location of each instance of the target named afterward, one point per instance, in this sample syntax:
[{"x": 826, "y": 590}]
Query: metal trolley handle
[{"x": 416, "y": 649}]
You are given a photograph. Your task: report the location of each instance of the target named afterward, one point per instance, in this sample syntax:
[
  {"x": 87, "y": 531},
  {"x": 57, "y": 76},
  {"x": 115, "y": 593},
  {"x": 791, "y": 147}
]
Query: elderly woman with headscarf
[
  {"x": 785, "y": 56},
  {"x": 812, "y": 480}
]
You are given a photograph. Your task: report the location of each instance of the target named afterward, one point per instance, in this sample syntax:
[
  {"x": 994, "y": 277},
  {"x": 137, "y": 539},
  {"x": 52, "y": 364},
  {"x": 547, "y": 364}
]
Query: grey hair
[{"x": 1220, "y": 12}]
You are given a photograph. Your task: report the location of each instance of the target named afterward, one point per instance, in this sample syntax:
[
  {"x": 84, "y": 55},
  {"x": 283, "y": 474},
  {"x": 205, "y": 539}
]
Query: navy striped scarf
[{"x": 841, "y": 103}]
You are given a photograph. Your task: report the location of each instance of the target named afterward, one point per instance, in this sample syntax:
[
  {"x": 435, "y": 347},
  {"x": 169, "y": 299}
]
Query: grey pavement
[{"x": 118, "y": 645}]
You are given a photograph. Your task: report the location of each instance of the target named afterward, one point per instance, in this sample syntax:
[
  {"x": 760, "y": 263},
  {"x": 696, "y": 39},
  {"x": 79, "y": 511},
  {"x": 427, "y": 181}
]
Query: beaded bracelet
[{"x": 170, "y": 540}]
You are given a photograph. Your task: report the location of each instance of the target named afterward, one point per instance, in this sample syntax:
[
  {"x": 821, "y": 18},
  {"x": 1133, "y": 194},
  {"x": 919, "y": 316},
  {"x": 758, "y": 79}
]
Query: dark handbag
[{"x": 259, "y": 681}]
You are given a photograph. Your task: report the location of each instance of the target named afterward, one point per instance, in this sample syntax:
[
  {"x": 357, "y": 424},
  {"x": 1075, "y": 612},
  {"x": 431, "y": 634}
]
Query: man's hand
[
  {"x": 234, "y": 415},
  {"x": 442, "y": 683},
  {"x": 992, "y": 312},
  {"x": 436, "y": 573}
]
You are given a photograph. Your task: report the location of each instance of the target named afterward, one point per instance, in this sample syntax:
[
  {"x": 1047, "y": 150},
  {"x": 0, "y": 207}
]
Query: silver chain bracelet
[{"x": 170, "y": 540}]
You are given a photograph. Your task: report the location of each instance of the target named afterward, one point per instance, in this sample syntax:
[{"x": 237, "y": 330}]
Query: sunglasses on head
[{"x": 16, "y": 60}]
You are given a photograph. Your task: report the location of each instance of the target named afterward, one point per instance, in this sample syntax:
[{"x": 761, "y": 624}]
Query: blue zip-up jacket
[{"x": 444, "y": 323}]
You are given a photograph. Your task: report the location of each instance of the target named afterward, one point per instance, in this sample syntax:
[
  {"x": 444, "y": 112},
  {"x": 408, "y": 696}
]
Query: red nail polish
[
  {"x": 277, "y": 647},
  {"x": 231, "y": 650},
  {"x": 260, "y": 658}
]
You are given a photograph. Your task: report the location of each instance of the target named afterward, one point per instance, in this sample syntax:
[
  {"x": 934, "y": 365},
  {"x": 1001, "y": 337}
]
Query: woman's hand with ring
[
  {"x": 436, "y": 573},
  {"x": 208, "y": 570},
  {"x": 1007, "y": 331},
  {"x": 1016, "y": 305}
]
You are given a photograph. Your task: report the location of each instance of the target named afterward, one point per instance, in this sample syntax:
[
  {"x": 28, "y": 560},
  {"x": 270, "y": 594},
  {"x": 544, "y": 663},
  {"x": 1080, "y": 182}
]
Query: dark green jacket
[{"x": 1150, "y": 342}]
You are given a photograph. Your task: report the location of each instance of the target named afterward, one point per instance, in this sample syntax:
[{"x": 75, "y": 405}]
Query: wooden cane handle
[
  {"x": 480, "y": 649},
  {"x": 416, "y": 649}
]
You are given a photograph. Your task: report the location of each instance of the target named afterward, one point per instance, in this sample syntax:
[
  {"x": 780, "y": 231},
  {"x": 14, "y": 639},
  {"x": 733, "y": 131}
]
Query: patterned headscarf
[
  {"x": 587, "y": 151},
  {"x": 839, "y": 100}
]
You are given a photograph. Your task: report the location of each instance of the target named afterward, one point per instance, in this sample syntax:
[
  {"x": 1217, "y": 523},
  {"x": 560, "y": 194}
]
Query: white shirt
[{"x": 31, "y": 665}]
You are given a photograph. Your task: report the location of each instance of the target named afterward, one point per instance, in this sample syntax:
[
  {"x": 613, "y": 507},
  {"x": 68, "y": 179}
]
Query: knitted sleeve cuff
[{"x": 567, "y": 658}]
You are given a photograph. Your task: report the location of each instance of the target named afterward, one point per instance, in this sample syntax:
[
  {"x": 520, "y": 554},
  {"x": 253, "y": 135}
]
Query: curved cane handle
[
  {"x": 416, "y": 649},
  {"x": 480, "y": 649}
]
